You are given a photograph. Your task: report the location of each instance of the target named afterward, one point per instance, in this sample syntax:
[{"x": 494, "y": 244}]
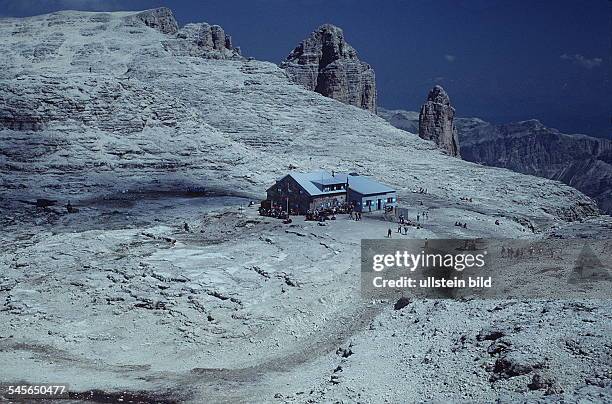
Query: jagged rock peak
[
  {"x": 324, "y": 62},
  {"x": 534, "y": 124},
  {"x": 160, "y": 19},
  {"x": 438, "y": 95},
  {"x": 436, "y": 121},
  {"x": 325, "y": 45},
  {"x": 195, "y": 39},
  {"x": 205, "y": 40}
]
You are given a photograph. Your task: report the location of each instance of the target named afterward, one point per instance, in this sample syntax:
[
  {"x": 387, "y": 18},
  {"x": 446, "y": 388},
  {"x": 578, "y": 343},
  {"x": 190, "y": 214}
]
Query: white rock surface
[
  {"x": 144, "y": 117},
  {"x": 96, "y": 108}
]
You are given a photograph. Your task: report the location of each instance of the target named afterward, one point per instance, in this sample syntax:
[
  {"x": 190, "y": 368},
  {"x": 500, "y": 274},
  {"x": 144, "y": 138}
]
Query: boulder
[
  {"x": 401, "y": 303},
  {"x": 516, "y": 364}
]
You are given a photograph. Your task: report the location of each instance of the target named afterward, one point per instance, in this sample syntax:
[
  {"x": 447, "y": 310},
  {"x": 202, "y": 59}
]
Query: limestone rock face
[
  {"x": 529, "y": 147},
  {"x": 100, "y": 113},
  {"x": 123, "y": 106},
  {"x": 404, "y": 120},
  {"x": 203, "y": 40},
  {"x": 160, "y": 19},
  {"x": 324, "y": 62},
  {"x": 195, "y": 39},
  {"x": 436, "y": 121}
]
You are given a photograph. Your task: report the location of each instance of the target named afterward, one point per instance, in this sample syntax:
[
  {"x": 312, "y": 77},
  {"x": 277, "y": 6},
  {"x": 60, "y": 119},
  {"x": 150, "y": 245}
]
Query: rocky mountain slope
[
  {"x": 324, "y": 62},
  {"x": 100, "y": 102},
  {"x": 401, "y": 119},
  {"x": 166, "y": 285},
  {"x": 436, "y": 121},
  {"x": 529, "y": 147}
]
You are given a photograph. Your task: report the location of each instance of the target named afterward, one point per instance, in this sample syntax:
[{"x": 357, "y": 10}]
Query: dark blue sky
[{"x": 501, "y": 60}]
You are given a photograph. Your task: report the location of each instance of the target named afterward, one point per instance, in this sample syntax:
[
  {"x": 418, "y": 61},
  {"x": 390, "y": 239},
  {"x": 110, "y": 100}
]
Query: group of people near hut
[
  {"x": 402, "y": 225},
  {"x": 329, "y": 213},
  {"x": 274, "y": 211},
  {"x": 318, "y": 214}
]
